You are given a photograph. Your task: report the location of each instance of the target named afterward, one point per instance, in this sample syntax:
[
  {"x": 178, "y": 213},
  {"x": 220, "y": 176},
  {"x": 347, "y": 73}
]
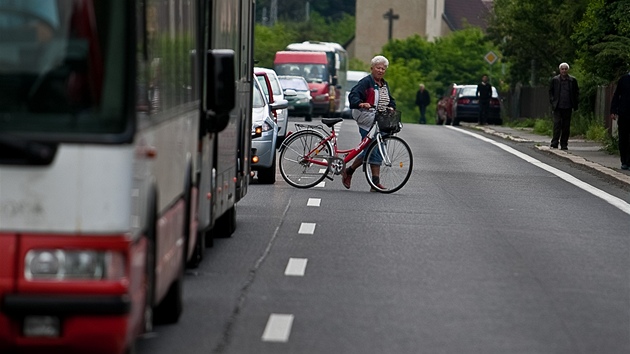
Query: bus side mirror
[{"x": 220, "y": 88}]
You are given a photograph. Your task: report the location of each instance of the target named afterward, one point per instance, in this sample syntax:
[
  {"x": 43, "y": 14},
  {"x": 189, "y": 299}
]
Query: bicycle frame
[{"x": 331, "y": 137}]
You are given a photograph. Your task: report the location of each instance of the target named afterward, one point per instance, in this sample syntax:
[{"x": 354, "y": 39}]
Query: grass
[{"x": 582, "y": 125}]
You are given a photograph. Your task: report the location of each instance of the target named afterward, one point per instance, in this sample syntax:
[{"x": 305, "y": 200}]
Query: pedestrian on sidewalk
[
  {"x": 422, "y": 101},
  {"x": 563, "y": 96},
  {"x": 484, "y": 92},
  {"x": 620, "y": 110}
]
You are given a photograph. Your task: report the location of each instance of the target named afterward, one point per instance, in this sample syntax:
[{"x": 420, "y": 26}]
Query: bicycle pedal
[{"x": 329, "y": 177}]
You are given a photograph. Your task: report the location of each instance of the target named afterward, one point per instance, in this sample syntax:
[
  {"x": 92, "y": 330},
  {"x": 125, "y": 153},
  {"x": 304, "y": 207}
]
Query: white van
[
  {"x": 276, "y": 87},
  {"x": 352, "y": 79}
]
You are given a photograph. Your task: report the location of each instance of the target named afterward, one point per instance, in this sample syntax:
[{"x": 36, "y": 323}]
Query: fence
[{"x": 533, "y": 102}]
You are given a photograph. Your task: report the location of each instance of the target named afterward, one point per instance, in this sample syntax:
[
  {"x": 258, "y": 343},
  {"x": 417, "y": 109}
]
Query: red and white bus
[{"x": 124, "y": 144}]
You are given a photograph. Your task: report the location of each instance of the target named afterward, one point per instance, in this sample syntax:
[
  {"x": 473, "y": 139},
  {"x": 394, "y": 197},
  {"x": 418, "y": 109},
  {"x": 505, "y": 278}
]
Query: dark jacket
[
  {"x": 423, "y": 98},
  {"x": 620, "y": 103},
  {"x": 363, "y": 92},
  {"x": 554, "y": 92},
  {"x": 484, "y": 92}
]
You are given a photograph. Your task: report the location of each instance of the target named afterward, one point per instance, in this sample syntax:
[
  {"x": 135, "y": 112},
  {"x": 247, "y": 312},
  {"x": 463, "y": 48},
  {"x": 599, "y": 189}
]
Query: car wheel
[
  {"x": 268, "y": 175},
  {"x": 308, "y": 117}
]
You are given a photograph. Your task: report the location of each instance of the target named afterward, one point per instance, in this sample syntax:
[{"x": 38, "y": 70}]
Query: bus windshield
[
  {"x": 54, "y": 61},
  {"x": 311, "y": 72}
]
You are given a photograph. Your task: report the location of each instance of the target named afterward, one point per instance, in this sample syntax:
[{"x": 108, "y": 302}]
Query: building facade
[{"x": 427, "y": 18}]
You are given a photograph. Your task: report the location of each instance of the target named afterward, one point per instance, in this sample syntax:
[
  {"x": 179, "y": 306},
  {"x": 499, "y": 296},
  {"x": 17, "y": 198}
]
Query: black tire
[
  {"x": 225, "y": 225},
  {"x": 268, "y": 175},
  {"x": 294, "y": 169},
  {"x": 171, "y": 307},
  {"x": 395, "y": 173},
  {"x": 308, "y": 117}
]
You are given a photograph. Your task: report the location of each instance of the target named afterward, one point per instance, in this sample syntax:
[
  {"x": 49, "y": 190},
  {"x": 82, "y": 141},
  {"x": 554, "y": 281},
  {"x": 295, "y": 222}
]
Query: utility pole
[
  {"x": 389, "y": 15},
  {"x": 273, "y": 13}
]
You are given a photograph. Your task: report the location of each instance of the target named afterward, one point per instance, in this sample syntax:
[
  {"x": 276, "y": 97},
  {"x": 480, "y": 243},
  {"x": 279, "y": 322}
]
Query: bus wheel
[
  {"x": 170, "y": 309},
  {"x": 226, "y": 224}
]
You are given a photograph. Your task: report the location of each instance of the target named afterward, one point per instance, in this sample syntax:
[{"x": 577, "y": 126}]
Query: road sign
[{"x": 491, "y": 58}]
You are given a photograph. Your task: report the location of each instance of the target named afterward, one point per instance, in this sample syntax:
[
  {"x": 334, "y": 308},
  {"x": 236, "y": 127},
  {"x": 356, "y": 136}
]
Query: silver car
[
  {"x": 264, "y": 135},
  {"x": 282, "y": 115}
]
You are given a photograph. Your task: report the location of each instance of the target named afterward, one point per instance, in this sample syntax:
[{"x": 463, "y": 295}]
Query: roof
[{"x": 457, "y": 13}]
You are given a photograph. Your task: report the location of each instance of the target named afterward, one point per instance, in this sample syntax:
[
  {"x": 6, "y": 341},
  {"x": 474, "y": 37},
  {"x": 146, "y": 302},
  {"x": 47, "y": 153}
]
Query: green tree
[
  {"x": 603, "y": 38},
  {"x": 535, "y": 35}
]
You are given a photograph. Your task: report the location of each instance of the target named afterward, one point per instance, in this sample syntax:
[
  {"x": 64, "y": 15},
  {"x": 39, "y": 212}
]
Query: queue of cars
[
  {"x": 460, "y": 104},
  {"x": 265, "y": 127}
]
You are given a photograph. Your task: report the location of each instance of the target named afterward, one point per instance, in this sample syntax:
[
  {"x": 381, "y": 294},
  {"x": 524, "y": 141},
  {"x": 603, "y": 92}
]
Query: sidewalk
[{"x": 584, "y": 152}]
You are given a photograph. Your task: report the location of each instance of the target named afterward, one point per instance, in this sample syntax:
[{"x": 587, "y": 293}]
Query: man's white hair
[
  {"x": 379, "y": 59},
  {"x": 564, "y": 64}
]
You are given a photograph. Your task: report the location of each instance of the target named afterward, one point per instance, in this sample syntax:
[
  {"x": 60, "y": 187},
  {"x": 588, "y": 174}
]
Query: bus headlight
[{"x": 73, "y": 264}]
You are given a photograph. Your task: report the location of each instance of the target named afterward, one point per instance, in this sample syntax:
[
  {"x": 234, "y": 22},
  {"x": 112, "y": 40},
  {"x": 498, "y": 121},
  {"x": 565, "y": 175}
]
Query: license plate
[{"x": 475, "y": 101}]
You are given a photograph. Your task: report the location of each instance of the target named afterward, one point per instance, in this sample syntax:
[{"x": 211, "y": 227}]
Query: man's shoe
[
  {"x": 380, "y": 186},
  {"x": 346, "y": 179},
  {"x": 553, "y": 146},
  {"x": 624, "y": 167},
  {"x": 564, "y": 148}
]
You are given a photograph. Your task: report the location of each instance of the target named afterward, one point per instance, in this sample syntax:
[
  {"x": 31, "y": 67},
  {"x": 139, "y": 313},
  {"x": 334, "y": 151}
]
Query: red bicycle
[{"x": 311, "y": 154}]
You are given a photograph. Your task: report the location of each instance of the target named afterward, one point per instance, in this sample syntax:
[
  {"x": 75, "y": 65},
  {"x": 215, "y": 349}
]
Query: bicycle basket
[{"x": 388, "y": 121}]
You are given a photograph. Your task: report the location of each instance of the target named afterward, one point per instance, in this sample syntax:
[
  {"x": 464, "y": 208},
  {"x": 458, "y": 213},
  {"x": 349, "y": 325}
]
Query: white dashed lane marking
[
  {"x": 296, "y": 267},
  {"x": 307, "y": 228},
  {"x": 314, "y": 202},
  {"x": 278, "y": 328}
]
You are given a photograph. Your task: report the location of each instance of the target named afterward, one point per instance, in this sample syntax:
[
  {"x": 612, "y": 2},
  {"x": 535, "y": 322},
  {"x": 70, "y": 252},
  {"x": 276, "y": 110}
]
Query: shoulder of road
[{"x": 590, "y": 154}]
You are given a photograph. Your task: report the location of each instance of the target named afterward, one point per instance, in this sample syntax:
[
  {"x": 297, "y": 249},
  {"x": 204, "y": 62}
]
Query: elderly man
[{"x": 563, "y": 96}]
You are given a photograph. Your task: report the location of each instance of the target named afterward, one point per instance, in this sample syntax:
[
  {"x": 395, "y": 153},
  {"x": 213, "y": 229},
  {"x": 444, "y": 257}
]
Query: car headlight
[{"x": 74, "y": 264}]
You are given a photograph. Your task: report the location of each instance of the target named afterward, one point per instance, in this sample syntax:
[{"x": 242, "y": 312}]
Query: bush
[{"x": 543, "y": 127}]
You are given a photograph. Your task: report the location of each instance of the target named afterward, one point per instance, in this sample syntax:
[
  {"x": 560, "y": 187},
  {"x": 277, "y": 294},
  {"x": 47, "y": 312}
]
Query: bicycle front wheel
[
  {"x": 304, "y": 159},
  {"x": 392, "y": 161}
]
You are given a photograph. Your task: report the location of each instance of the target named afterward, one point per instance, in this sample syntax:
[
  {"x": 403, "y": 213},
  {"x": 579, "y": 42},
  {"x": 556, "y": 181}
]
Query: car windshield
[
  {"x": 258, "y": 101},
  {"x": 472, "y": 91},
  {"x": 297, "y": 84},
  {"x": 311, "y": 72}
]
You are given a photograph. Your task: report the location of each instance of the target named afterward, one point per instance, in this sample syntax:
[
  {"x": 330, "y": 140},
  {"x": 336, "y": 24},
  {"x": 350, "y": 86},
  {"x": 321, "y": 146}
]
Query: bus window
[{"x": 52, "y": 66}]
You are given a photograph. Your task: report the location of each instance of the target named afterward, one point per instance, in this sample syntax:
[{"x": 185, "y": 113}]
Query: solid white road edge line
[
  {"x": 278, "y": 328},
  {"x": 296, "y": 267},
  {"x": 611, "y": 199}
]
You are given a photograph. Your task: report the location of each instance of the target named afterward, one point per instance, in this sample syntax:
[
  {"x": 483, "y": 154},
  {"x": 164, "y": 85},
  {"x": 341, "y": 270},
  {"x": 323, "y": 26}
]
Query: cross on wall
[{"x": 390, "y": 16}]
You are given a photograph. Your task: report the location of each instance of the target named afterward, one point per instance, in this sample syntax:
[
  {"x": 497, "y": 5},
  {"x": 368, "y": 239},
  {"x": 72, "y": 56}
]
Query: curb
[{"x": 621, "y": 177}]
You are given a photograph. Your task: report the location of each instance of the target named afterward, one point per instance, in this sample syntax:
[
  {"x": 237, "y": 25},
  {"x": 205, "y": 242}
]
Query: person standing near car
[
  {"x": 484, "y": 92},
  {"x": 563, "y": 96},
  {"x": 620, "y": 110},
  {"x": 370, "y": 91},
  {"x": 422, "y": 101}
]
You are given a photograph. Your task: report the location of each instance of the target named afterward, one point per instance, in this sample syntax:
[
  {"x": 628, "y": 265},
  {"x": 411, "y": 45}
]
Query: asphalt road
[{"x": 487, "y": 249}]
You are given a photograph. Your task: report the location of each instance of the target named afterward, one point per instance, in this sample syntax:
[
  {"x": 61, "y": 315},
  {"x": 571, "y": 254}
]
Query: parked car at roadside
[
  {"x": 353, "y": 77},
  {"x": 281, "y": 115},
  {"x": 466, "y": 106},
  {"x": 264, "y": 133},
  {"x": 300, "y": 105},
  {"x": 444, "y": 106}
]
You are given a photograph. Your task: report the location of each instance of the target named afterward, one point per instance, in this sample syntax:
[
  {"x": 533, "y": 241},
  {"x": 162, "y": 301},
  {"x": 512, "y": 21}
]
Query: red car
[{"x": 444, "y": 107}]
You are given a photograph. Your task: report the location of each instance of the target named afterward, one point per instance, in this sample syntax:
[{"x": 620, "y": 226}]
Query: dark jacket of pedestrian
[
  {"x": 555, "y": 94},
  {"x": 422, "y": 98},
  {"x": 484, "y": 91},
  {"x": 620, "y": 103}
]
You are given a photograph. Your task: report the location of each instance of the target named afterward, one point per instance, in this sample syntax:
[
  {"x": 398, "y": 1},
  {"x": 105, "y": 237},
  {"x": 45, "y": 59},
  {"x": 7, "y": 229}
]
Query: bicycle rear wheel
[
  {"x": 396, "y": 164},
  {"x": 304, "y": 159}
]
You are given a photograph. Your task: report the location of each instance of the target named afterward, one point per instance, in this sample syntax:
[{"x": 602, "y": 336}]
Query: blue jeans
[{"x": 375, "y": 159}]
